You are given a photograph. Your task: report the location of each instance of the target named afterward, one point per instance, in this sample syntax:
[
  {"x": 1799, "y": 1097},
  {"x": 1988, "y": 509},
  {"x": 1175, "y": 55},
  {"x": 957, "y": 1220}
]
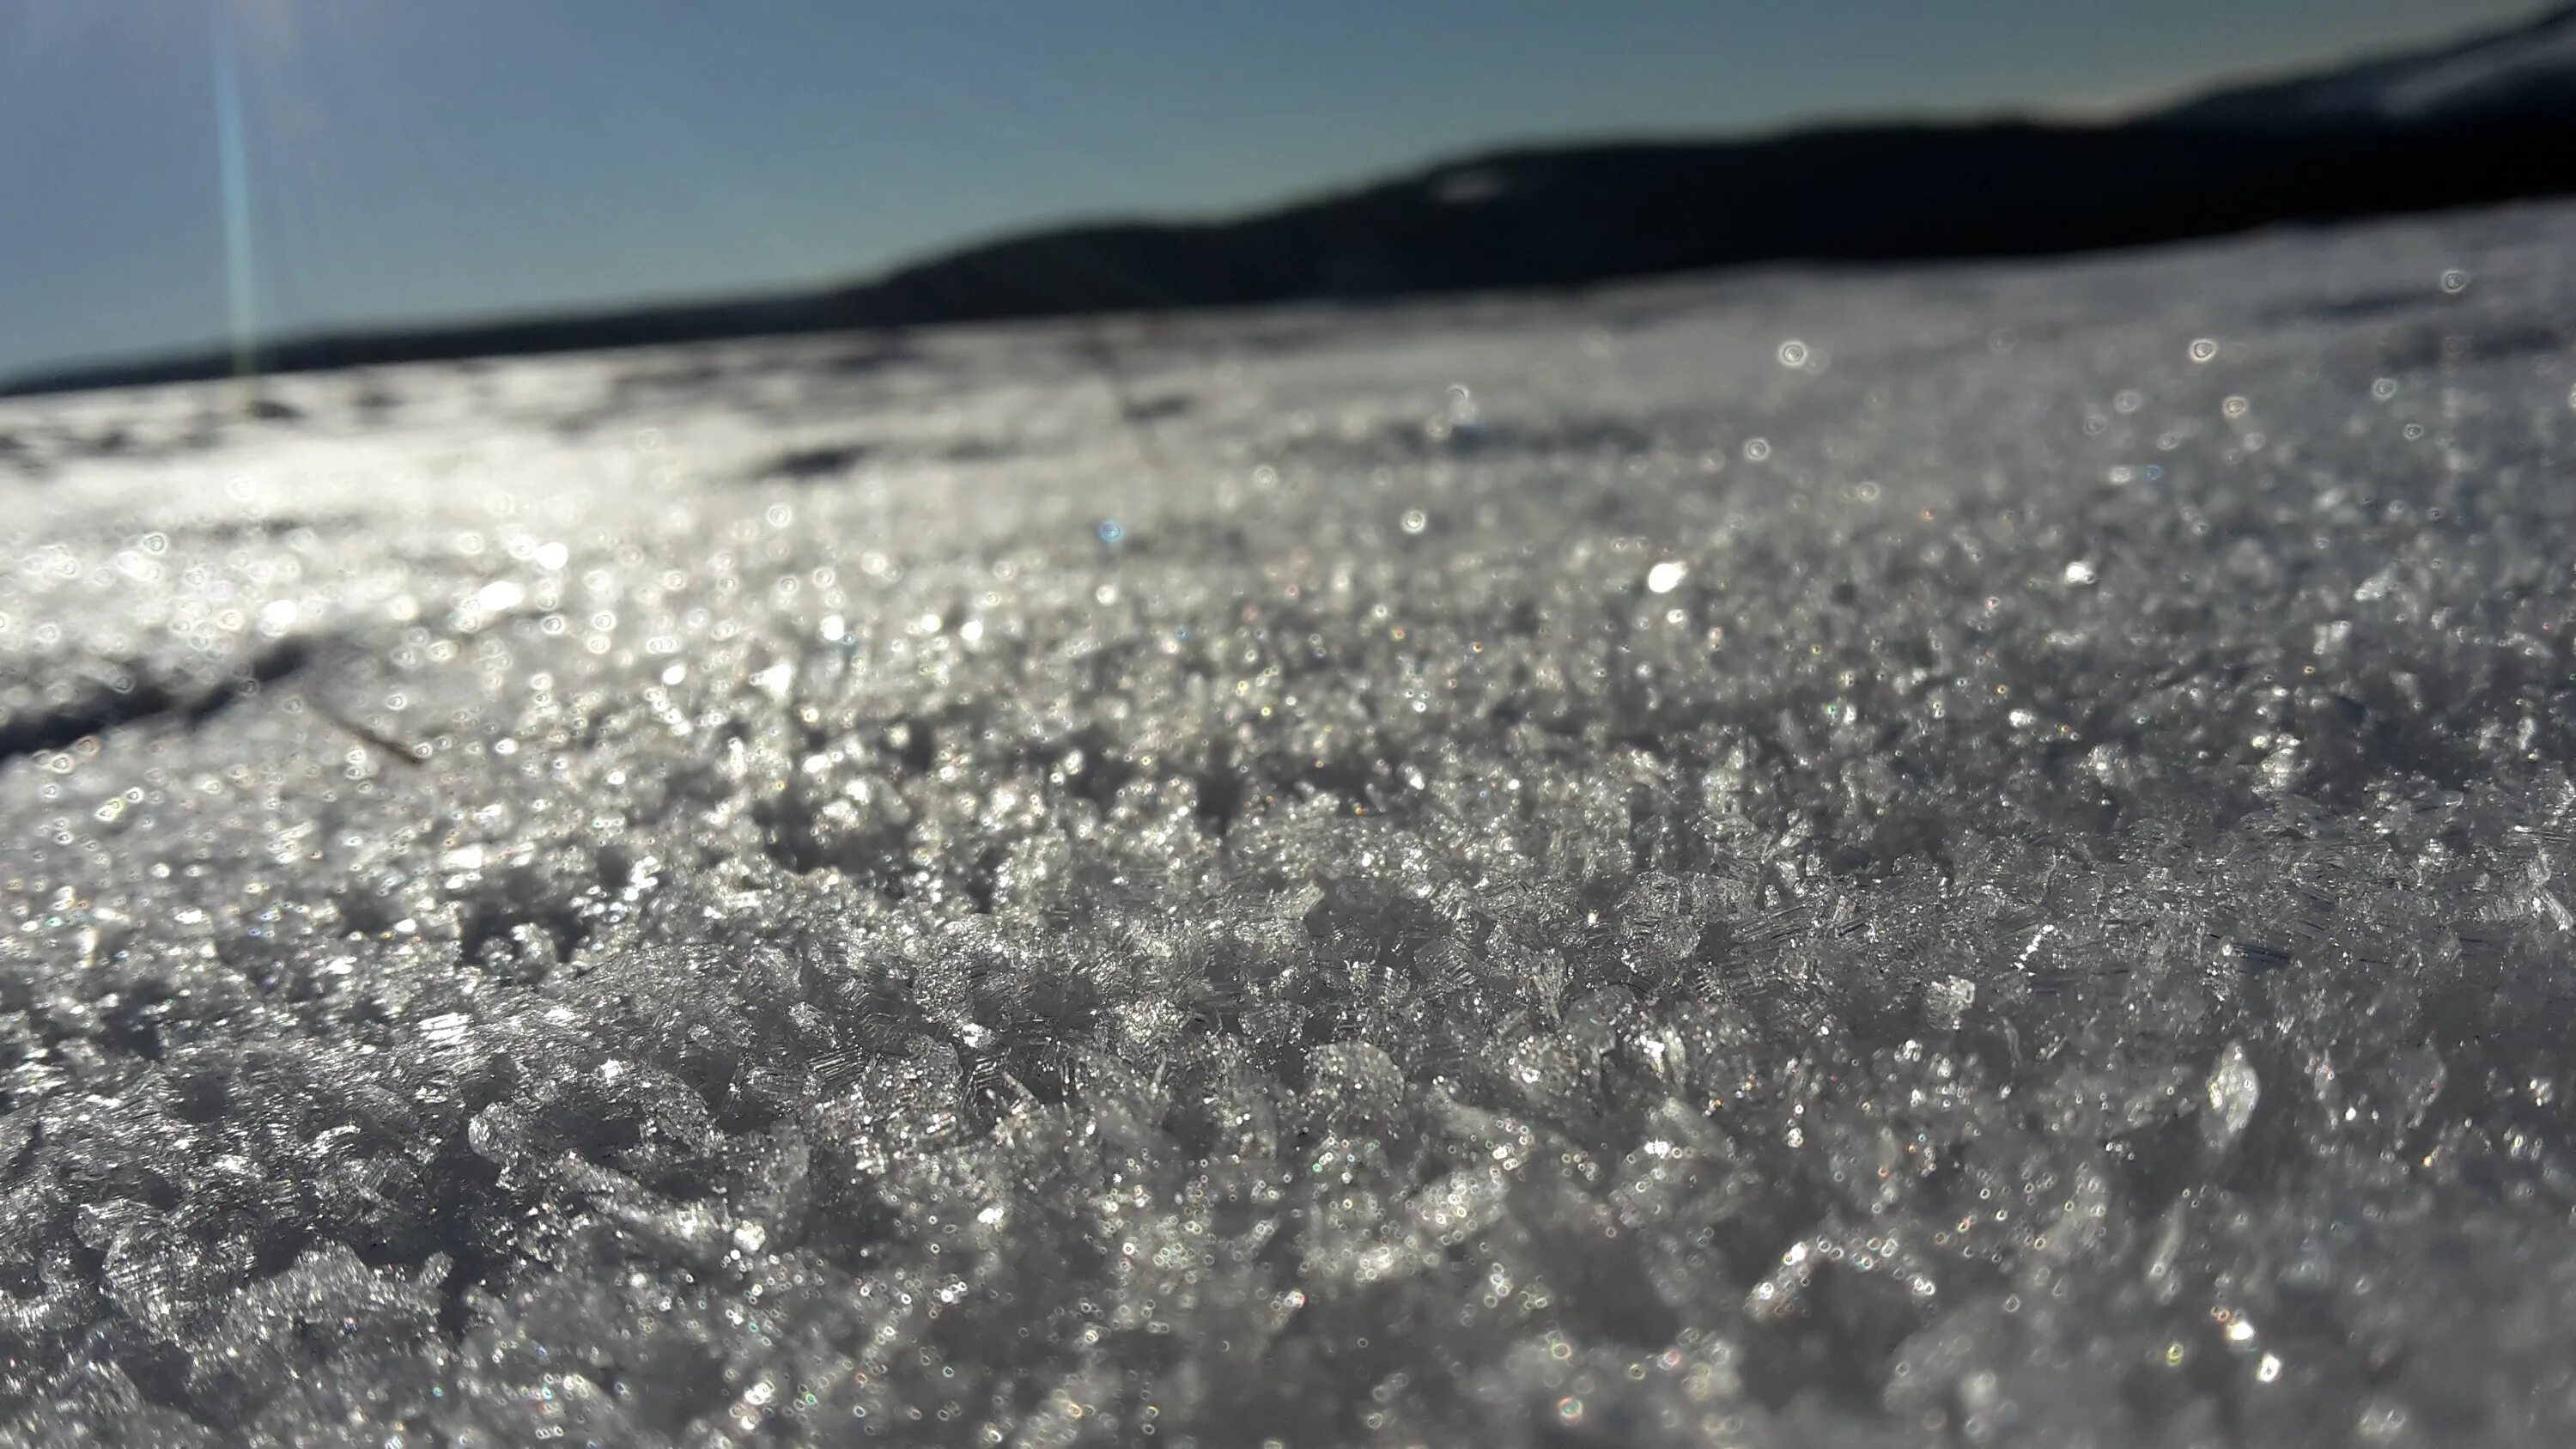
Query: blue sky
[{"x": 409, "y": 160}]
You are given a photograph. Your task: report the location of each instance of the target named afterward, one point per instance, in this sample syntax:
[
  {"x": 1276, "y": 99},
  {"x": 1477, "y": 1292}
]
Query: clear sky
[{"x": 443, "y": 159}]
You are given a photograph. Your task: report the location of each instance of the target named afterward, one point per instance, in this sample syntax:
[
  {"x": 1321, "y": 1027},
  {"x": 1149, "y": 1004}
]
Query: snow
[
  {"x": 2536, "y": 62},
  {"x": 1508, "y": 871},
  {"x": 2531, "y": 66}
]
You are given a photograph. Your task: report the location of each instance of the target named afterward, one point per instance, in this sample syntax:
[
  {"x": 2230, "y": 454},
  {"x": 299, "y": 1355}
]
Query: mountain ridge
[
  {"x": 2531, "y": 62},
  {"x": 2485, "y": 119}
]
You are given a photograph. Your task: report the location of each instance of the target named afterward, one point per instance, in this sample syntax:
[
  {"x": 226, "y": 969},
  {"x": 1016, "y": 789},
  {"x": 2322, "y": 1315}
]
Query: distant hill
[
  {"x": 2489, "y": 119},
  {"x": 2530, "y": 68}
]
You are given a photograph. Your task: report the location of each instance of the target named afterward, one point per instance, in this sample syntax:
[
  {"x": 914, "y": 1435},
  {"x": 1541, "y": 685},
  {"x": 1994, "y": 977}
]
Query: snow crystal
[{"x": 2232, "y": 1093}]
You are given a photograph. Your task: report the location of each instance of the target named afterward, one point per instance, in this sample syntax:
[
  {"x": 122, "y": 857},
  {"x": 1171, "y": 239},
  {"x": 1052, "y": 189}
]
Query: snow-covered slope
[
  {"x": 2528, "y": 68},
  {"x": 1968, "y": 856}
]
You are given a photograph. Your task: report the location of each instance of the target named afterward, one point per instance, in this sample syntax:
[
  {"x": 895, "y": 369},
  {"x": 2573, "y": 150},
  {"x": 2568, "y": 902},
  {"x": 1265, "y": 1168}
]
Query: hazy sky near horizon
[{"x": 421, "y": 160}]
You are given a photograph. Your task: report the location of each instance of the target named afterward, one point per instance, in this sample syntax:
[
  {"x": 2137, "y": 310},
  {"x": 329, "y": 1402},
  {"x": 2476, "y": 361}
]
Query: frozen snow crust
[{"x": 1534, "y": 872}]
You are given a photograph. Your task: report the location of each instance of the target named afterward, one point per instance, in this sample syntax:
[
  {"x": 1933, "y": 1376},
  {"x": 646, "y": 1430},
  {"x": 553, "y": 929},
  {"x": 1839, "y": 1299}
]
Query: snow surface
[{"x": 1962, "y": 856}]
